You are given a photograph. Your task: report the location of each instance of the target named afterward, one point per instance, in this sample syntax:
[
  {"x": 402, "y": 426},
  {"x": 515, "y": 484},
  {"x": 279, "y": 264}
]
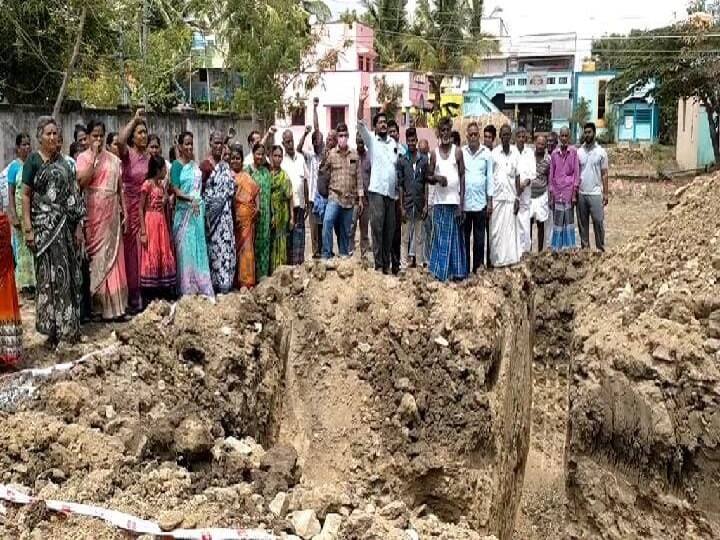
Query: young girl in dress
[{"x": 157, "y": 270}]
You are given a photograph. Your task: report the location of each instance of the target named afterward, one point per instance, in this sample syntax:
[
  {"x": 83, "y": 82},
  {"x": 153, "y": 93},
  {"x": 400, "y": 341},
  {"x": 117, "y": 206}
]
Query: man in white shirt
[
  {"x": 293, "y": 164},
  {"x": 383, "y": 152},
  {"x": 593, "y": 196},
  {"x": 505, "y": 242},
  {"x": 527, "y": 170}
]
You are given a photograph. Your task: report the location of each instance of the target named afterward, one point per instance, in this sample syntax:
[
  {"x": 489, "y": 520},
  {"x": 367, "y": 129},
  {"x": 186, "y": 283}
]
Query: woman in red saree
[
  {"x": 10, "y": 326},
  {"x": 99, "y": 174},
  {"x": 247, "y": 194}
]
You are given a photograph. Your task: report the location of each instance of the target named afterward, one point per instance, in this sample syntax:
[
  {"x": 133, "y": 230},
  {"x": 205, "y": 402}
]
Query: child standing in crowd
[
  {"x": 247, "y": 202},
  {"x": 282, "y": 206},
  {"x": 157, "y": 269}
]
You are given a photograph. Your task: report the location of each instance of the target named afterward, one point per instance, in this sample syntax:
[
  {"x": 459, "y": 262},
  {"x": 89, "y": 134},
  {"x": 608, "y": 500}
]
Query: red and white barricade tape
[{"x": 132, "y": 523}]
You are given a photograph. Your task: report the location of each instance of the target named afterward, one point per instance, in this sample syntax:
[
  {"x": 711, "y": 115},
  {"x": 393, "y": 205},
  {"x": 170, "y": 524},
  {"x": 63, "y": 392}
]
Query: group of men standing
[{"x": 456, "y": 208}]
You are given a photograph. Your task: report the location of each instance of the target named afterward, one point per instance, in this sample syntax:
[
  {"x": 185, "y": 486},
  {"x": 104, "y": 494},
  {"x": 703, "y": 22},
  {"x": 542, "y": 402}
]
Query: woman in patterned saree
[
  {"x": 193, "y": 269},
  {"x": 53, "y": 210},
  {"x": 100, "y": 176},
  {"x": 10, "y": 325},
  {"x": 218, "y": 193}
]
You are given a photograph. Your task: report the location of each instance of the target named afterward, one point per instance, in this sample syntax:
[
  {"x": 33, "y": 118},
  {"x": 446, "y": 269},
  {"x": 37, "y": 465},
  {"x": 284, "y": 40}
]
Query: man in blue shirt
[
  {"x": 383, "y": 151},
  {"x": 478, "y": 194}
]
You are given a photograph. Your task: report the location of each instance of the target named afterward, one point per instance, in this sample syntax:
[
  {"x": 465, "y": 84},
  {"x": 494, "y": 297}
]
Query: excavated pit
[
  {"x": 643, "y": 444},
  {"x": 399, "y": 404}
]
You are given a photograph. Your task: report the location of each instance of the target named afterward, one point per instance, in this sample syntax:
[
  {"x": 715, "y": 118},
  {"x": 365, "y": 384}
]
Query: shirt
[
  {"x": 312, "y": 160},
  {"x": 297, "y": 171},
  {"x": 564, "y": 174},
  {"x": 383, "y": 159},
  {"x": 593, "y": 161},
  {"x": 479, "y": 183},
  {"x": 411, "y": 176},
  {"x": 343, "y": 168},
  {"x": 365, "y": 168},
  {"x": 505, "y": 173},
  {"x": 542, "y": 171},
  {"x": 527, "y": 170}
]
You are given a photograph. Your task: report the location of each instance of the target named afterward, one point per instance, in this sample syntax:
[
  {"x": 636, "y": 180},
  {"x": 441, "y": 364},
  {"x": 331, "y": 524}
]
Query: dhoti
[{"x": 506, "y": 249}]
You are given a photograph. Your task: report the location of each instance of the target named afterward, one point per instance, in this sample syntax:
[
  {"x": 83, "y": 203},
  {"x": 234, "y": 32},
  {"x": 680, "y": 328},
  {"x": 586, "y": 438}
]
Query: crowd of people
[{"x": 99, "y": 233}]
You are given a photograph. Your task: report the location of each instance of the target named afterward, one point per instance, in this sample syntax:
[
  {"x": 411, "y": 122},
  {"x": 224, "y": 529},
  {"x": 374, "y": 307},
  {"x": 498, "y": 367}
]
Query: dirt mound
[
  {"x": 644, "y": 421},
  {"x": 331, "y": 398}
]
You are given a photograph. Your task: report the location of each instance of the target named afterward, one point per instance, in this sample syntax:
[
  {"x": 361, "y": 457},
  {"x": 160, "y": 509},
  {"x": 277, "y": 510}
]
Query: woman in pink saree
[
  {"x": 100, "y": 177},
  {"x": 133, "y": 150}
]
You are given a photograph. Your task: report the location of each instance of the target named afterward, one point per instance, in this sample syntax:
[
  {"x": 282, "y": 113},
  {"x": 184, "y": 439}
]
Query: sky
[{"x": 588, "y": 19}]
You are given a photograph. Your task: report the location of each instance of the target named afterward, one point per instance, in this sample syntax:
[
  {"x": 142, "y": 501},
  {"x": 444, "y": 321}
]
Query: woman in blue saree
[{"x": 193, "y": 269}]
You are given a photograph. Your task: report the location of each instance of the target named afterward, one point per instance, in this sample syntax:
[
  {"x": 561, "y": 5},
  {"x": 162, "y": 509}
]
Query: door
[{"x": 337, "y": 116}]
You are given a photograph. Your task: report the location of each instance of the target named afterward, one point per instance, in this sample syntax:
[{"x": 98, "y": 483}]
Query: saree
[
  {"x": 281, "y": 195},
  {"x": 263, "y": 180},
  {"x": 24, "y": 260},
  {"x": 246, "y": 214},
  {"x": 10, "y": 325},
  {"x": 193, "y": 269},
  {"x": 103, "y": 235},
  {"x": 135, "y": 167},
  {"x": 218, "y": 197},
  {"x": 57, "y": 208}
]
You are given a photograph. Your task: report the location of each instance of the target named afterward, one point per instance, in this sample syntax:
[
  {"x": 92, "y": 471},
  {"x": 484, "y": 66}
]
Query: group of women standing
[{"x": 142, "y": 228}]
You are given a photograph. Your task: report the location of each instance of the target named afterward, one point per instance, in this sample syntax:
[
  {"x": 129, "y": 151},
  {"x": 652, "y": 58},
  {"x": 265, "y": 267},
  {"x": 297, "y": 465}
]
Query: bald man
[{"x": 539, "y": 209}]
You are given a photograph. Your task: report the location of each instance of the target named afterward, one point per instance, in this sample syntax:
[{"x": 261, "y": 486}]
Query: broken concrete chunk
[
  {"x": 279, "y": 505},
  {"x": 305, "y": 523}
]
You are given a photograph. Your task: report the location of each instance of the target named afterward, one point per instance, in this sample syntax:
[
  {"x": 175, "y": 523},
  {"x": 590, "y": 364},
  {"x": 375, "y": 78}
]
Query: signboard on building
[{"x": 536, "y": 82}]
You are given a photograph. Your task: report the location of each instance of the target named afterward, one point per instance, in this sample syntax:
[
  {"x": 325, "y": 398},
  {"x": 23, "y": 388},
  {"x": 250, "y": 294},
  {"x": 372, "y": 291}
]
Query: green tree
[
  {"x": 389, "y": 94},
  {"x": 389, "y": 20},
  {"x": 272, "y": 45},
  {"x": 580, "y": 115},
  {"x": 43, "y": 41},
  {"x": 681, "y": 60},
  {"x": 441, "y": 42}
]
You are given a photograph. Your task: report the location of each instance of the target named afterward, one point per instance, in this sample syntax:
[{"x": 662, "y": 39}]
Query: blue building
[{"x": 636, "y": 116}]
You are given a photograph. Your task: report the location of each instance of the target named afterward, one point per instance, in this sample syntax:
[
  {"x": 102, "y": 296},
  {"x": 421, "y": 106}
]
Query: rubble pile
[
  {"x": 330, "y": 402},
  {"x": 644, "y": 419}
]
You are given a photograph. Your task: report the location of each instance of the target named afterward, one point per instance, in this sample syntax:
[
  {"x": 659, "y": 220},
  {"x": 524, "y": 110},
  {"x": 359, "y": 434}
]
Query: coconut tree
[{"x": 442, "y": 43}]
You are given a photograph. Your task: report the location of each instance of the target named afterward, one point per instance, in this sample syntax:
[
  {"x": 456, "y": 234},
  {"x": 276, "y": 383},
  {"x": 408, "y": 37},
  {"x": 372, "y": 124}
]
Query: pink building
[{"x": 338, "y": 89}]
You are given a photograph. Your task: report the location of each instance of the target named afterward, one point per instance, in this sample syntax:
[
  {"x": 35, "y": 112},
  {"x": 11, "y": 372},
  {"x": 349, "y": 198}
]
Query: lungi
[{"x": 447, "y": 255}]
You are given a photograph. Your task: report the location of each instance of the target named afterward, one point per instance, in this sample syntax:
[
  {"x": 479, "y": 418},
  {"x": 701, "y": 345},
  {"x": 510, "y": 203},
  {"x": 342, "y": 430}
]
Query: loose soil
[{"x": 402, "y": 405}]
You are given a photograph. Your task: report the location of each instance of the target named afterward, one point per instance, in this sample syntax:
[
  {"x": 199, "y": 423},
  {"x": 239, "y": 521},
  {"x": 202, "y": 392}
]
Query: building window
[
  {"x": 297, "y": 117},
  {"x": 361, "y": 63},
  {"x": 337, "y": 116},
  {"x": 510, "y": 82},
  {"x": 602, "y": 99},
  {"x": 563, "y": 80},
  {"x": 643, "y": 116},
  {"x": 522, "y": 82},
  {"x": 551, "y": 80},
  {"x": 203, "y": 74}
]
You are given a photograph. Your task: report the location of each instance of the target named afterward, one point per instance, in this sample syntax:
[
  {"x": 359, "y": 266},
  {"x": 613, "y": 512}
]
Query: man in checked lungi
[{"x": 447, "y": 172}]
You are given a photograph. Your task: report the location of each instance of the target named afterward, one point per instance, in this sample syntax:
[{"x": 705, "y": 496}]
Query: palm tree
[{"x": 443, "y": 43}]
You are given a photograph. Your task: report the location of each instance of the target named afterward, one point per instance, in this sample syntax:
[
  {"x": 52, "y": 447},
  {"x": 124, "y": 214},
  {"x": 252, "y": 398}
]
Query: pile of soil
[
  {"x": 644, "y": 420},
  {"x": 330, "y": 397}
]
